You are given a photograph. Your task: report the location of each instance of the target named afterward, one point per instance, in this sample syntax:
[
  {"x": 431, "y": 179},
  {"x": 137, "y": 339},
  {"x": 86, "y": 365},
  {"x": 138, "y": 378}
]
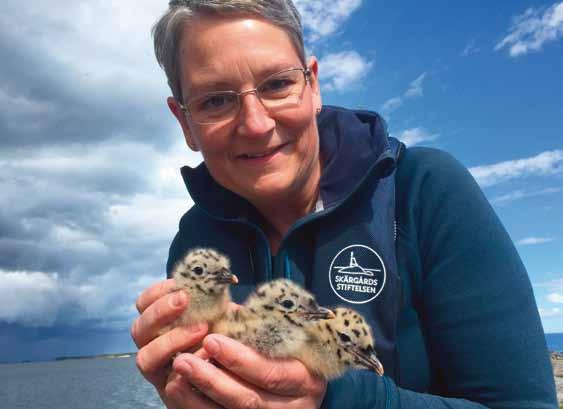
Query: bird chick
[
  {"x": 348, "y": 338},
  {"x": 338, "y": 344},
  {"x": 273, "y": 319},
  {"x": 205, "y": 275}
]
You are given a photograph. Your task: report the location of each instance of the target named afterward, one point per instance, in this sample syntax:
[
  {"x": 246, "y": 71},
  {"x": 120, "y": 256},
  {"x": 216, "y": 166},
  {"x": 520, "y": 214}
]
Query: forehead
[
  {"x": 206, "y": 257},
  {"x": 232, "y": 51}
]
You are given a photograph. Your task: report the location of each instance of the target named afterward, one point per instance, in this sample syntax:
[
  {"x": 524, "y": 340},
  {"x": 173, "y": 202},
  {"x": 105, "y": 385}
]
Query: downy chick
[
  {"x": 205, "y": 275},
  {"x": 346, "y": 341},
  {"x": 273, "y": 319}
]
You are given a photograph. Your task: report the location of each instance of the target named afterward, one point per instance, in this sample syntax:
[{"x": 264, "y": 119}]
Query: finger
[
  {"x": 287, "y": 377},
  {"x": 153, "y": 358},
  {"x": 218, "y": 385},
  {"x": 202, "y": 354},
  {"x": 154, "y": 292},
  {"x": 157, "y": 315},
  {"x": 182, "y": 395},
  {"x": 168, "y": 401}
]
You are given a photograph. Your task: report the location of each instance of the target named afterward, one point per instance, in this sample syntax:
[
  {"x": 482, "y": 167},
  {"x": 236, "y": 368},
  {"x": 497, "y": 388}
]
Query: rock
[{"x": 557, "y": 363}]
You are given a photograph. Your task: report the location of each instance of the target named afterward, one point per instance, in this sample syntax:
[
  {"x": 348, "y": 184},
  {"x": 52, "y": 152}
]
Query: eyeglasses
[{"x": 281, "y": 90}]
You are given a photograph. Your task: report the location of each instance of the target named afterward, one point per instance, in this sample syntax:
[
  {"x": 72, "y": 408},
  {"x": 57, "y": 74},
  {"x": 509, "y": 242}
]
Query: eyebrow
[{"x": 214, "y": 85}]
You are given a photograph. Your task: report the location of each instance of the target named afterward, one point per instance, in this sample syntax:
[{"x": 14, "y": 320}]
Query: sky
[{"x": 90, "y": 188}]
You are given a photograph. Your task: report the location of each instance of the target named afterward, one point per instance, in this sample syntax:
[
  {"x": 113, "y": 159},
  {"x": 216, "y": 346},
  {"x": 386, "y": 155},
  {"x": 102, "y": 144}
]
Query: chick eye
[
  {"x": 344, "y": 337},
  {"x": 287, "y": 304},
  {"x": 197, "y": 270}
]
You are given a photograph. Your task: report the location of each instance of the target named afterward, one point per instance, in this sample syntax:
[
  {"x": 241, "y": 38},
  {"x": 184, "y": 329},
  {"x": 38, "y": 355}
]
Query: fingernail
[
  {"x": 178, "y": 299},
  {"x": 211, "y": 346}
]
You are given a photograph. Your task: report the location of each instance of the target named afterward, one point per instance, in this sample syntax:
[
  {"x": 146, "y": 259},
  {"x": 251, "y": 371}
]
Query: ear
[
  {"x": 181, "y": 117},
  {"x": 315, "y": 87}
]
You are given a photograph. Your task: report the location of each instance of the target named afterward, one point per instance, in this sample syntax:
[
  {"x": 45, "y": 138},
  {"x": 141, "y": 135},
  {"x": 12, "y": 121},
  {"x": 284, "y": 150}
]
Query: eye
[
  {"x": 344, "y": 337},
  {"x": 275, "y": 84},
  {"x": 197, "y": 270},
  {"x": 214, "y": 101},
  {"x": 277, "y": 87},
  {"x": 287, "y": 304},
  {"x": 211, "y": 103}
]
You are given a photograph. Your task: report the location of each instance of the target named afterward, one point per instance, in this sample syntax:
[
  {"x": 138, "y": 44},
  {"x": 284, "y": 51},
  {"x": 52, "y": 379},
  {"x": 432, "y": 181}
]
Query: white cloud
[
  {"x": 528, "y": 241},
  {"x": 532, "y": 29},
  {"x": 41, "y": 299},
  {"x": 550, "y": 312},
  {"x": 91, "y": 219},
  {"x": 415, "y": 90},
  {"x": 98, "y": 42},
  {"x": 470, "y": 49},
  {"x": 415, "y": 136},
  {"x": 29, "y": 297},
  {"x": 23, "y": 106},
  {"x": 321, "y": 18},
  {"x": 555, "y": 285},
  {"x": 555, "y": 298},
  {"x": 392, "y": 104},
  {"x": 522, "y": 194},
  {"x": 343, "y": 70},
  {"x": 545, "y": 163},
  {"x": 148, "y": 215}
]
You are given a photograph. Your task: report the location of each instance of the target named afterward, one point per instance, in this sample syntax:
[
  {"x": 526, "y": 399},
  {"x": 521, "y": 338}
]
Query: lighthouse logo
[{"x": 357, "y": 274}]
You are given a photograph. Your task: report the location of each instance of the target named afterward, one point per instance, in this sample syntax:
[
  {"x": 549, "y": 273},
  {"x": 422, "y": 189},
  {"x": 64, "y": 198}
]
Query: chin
[{"x": 271, "y": 189}]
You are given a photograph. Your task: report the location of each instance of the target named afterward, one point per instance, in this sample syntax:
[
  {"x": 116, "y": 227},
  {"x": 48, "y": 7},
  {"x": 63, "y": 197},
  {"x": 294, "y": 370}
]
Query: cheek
[
  {"x": 301, "y": 127},
  {"x": 213, "y": 140},
  {"x": 298, "y": 119}
]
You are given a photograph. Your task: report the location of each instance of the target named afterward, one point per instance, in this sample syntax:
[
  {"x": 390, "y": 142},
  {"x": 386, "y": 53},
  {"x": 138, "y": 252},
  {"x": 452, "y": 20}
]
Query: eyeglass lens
[{"x": 281, "y": 90}]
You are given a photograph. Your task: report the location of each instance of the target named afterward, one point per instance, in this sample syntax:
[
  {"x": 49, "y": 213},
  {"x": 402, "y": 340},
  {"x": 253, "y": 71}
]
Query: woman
[{"x": 328, "y": 200}]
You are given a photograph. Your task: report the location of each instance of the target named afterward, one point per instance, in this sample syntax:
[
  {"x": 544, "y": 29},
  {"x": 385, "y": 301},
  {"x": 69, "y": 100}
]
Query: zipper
[
  {"x": 387, "y": 393},
  {"x": 286, "y": 266},
  {"x": 260, "y": 233}
]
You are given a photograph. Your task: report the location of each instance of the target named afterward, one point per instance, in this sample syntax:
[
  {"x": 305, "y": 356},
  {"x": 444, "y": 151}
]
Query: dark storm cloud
[
  {"x": 46, "y": 101},
  {"x": 82, "y": 135}
]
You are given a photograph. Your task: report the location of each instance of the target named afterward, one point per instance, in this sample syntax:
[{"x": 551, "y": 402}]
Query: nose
[{"x": 254, "y": 119}]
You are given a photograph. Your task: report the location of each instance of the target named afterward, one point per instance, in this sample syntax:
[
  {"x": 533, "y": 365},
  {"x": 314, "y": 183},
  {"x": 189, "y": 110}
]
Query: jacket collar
[{"x": 353, "y": 144}]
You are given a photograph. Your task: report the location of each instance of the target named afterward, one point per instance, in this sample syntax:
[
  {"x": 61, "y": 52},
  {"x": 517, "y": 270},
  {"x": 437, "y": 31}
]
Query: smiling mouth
[{"x": 265, "y": 154}]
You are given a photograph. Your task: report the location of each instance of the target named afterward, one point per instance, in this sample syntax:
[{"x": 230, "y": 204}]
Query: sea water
[
  {"x": 93, "y": 383},
  {"x": 554, "y": 342},
  {"x": 76, "y": 384}
]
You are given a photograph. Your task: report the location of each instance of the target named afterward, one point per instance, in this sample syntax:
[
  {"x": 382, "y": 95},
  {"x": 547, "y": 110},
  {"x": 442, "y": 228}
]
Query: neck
[
  {"x": 282, "y": 214},
  {"x": 282, "y": 211}
]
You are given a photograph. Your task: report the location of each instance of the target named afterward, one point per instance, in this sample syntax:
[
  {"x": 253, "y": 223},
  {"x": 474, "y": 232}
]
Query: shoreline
[{"x": 121, "y": 355}]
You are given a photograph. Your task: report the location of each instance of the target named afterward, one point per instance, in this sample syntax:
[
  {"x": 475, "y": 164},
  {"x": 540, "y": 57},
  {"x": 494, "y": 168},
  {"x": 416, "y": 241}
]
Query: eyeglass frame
[{"x": 184, "y": 106}]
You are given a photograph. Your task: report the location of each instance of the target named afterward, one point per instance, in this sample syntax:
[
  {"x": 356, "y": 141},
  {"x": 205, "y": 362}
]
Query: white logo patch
[{"x": 357, "y": 274}]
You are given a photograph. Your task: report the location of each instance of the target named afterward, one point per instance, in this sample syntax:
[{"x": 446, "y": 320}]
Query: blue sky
[{"x": 90, "y": 157}]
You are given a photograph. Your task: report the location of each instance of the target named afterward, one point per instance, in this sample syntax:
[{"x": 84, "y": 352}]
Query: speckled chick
[
  {"x": 334, "y": 345},
  {"x": 273, "y": 319},
  {"x": 343, "y": 342},
  {"x": 205, "y": 275}
]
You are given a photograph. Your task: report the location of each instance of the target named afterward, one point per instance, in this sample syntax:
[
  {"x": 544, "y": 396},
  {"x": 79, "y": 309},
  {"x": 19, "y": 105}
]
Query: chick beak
[
  {"x": 226, "y": 277},
  {"x": 369, "y": 360},
  {"x": 320, "y": 313}
]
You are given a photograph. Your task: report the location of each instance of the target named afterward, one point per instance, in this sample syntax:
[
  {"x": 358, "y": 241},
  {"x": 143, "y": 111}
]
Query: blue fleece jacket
[{"x": 407, "y": 238}]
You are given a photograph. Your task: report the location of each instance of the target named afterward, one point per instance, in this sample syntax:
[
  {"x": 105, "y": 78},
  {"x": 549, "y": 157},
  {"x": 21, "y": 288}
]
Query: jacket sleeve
[{"x": 480, "y": 323}]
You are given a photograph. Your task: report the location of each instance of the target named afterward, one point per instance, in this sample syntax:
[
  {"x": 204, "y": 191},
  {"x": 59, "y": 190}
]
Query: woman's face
[{"x": 259, "y": 155}]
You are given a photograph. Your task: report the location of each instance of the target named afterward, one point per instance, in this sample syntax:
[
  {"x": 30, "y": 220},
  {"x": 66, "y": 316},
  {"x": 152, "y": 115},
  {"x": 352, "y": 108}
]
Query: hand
[
  {"x": 246, "y": 380},
  {"x": 159, "y": 305}
]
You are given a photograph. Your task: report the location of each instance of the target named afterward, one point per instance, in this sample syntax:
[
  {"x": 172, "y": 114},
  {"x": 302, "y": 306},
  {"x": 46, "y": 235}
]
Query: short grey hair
[{"x": 167, "y": 32}]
